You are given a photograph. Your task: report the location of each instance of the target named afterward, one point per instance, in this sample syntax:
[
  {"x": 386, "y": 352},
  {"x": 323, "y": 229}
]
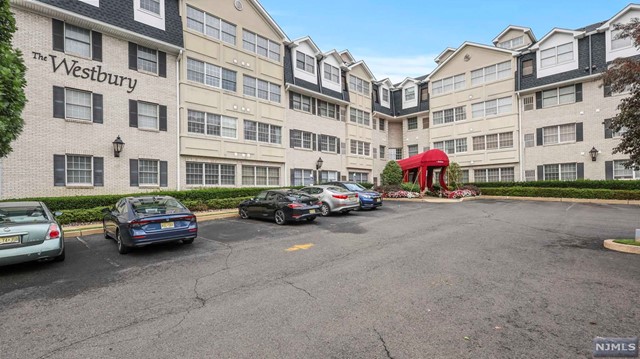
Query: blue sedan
[
  {"x": 140, "y": 221},
  {"x": 368, "y": 199}
]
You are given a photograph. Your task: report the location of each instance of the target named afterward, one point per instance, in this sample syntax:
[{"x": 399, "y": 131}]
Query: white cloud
[{"x": 399, "y": 68}]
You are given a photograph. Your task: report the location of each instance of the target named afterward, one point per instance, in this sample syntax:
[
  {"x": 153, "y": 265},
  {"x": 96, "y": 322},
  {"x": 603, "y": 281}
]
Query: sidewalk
[{"x": 96, "y": 227}]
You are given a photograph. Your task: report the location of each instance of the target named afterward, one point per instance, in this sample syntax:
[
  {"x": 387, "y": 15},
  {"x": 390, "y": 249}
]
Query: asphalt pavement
[{"x": 478, "y": 279}]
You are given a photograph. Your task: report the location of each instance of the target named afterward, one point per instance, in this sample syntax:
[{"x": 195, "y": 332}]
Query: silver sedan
[{"x": 334, "y": 199}]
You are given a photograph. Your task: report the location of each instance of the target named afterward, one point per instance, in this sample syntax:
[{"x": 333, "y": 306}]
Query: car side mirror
[{"x": 57, "y": 213}]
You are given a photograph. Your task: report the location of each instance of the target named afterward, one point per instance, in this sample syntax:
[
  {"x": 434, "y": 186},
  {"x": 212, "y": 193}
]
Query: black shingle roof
[
  {"x": 591, "y": 27},
  {"x": 119, "y": 13}
]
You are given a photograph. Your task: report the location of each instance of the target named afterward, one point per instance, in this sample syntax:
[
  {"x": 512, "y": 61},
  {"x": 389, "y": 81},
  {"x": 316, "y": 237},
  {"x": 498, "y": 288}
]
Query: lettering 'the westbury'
[{"x": 94, "y": 73}]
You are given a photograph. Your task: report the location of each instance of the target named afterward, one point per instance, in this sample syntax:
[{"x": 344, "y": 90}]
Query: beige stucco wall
[{"x": 28, "y": 171}]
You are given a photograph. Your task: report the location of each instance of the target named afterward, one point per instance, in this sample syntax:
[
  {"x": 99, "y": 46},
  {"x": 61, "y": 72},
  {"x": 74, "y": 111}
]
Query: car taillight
[
  {"x": 54, "y": 232},
  {"x": 319, "y": 203},
  {"x": 138, "y": 223},
  {"x": 356, "y": 195},
  {"x": 340, "y": 196},
  {"x": 295, "y": 205}
]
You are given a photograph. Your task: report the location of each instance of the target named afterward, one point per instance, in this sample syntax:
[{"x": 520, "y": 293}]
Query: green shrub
[
  {"x": 224, "y": 203},
  {"x": 366, "y": 185},
  {"x": 81, "y": 215},
  {"x": 587, "y": 193},
  {"x": 411, "y": 187},
  {"x": 592, "y": 184},
  {"x": 392, "y": 174},
  {"x": 189, "y": 196}
]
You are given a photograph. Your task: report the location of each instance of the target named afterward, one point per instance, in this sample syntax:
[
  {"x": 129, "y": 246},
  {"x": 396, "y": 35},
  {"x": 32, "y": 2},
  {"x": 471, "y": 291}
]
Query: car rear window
[
  {"x": 298, "y": 196},
  {"x": 153, "y": 206},
  {"x": 337, "y": 189},
  {"x": 354, "y": 187},
  {"x": 22, "y": 214}
]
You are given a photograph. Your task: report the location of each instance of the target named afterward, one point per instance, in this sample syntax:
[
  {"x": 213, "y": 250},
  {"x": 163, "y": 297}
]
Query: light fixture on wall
[
  {"x": 118, "y": 145},
  {"x": 594, "y": 153},
  {"x": 319, "y": 163}
]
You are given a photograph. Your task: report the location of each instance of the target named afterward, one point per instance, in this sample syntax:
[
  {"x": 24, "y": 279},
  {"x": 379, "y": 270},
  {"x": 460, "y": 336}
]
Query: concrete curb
[
  {"x": 618, "y": 247},
  {"x": 96, "y": 228}
]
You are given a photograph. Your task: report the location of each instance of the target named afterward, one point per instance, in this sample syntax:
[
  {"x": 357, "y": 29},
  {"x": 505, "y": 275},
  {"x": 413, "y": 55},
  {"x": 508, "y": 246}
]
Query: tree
[
  {"x": 12, "y": 82},
  {"x": 392, "y": 174},
  {"x": 454, "y": 175},
  {"x": 624, "y": 74}
]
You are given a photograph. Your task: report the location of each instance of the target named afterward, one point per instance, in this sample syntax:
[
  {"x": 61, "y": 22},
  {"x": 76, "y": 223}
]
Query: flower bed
[
  {"x": 459, "y": 193},
  {"x": 401, "y": 194}
]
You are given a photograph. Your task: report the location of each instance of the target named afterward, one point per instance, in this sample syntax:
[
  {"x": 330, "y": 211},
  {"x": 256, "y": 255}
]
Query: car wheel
[
  {"x": 122, "y": 248},
  {"x": 60, "y": 258},
  {"x": 243, "y": 213},
  {"x": 311, "y": 219},
  {"x": 188, "y": 241},
  {"x": 279, "y": 217},
  {"x": 325, "y": 210}
]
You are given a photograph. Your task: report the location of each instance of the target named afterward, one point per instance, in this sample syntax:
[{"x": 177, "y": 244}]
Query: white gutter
[
  {"x": 322, "y": 96},
  {"x": 179, "y": 160}
]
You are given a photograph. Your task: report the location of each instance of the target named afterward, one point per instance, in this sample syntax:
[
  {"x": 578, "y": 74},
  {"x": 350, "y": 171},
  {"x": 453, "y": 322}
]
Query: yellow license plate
[
  {"x": 312, "y": 211},
  {"x": 9, "y": 240},
  {"x": 166, "y": 225}
]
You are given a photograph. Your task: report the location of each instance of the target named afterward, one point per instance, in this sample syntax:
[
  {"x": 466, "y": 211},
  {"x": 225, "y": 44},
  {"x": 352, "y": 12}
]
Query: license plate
[
  {"x": 166, "y": 225},
  {"x": 312, "y": 211},
  {"x": 377, "y": 199},
  {"x": 9, "y": 240},
  {"x": 352, "y": 198}
]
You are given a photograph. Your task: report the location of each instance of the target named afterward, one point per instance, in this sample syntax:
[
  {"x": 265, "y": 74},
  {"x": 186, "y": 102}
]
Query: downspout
[
  {"x": 520, "y": 135},
  {"x": 590, "y": 57},
  {"x": 179, "y": 160}
]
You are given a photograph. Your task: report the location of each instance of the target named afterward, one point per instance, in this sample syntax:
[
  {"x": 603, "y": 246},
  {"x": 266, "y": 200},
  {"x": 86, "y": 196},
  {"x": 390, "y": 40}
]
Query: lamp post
[
  {"x": 593, "y": 153},
  {"x": 118, "y": 145}
]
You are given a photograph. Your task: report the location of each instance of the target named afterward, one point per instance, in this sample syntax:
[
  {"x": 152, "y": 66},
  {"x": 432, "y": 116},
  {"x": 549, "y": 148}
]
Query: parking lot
[{"x": 478, "y": 279}]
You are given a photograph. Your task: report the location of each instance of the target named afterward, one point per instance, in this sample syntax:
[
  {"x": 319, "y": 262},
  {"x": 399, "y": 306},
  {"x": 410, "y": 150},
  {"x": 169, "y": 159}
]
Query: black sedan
[
  {"x": 140, "y": 221},
  {"x": 281, "y": 206}
]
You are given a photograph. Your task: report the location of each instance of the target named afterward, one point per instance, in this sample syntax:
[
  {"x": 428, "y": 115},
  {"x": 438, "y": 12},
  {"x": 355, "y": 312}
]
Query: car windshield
[
  {"x": 22, "y": 214},
  {"x": 153, "y": 205},
  {"x": 354, "y": 187},
  {"x": 337, "y": 189}
]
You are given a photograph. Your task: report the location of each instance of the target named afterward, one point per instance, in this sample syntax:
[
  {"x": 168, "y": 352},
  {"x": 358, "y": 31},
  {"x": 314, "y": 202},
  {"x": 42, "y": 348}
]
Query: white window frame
[
  {"x": 326, "y": 142},
  {"x": 627, "y": 173},
  {"x": 385, "y": 95},
  {"x": 356, "y": 84},
  {"x": 485, "y": 177},
  {"x": 216, "y": 24},
  {"x": 67, "y": 169},
  {"x": 159, "y": 13},
  {"x": 272, "y": 136},
  {"x": 409, "y": 123},
  {"x": 410, "y": 94},
  {"x": 554, "y": 96},
  {"x": 300, "y": 99},
  {"x": 333, "y": 72},
  {"x": 358, "y": 177},
  {"x": 304, "y": 175},
  {"x": 551, "y": 53},
  {"x": 558, "y": 134},
  {"x": 272, "y": 51},
  {"x": 413, "y": 150},
  {"x": 272, "y": 95},
  {"x": 268, "y": 179},
  {"x": 90, "y": 44},
  {"x": 211, "y": 117},
  {"x": 218, "y": 177},
  {"x": 561, "y": 173},
  {"x": 157, "y": 118},
  {"x": 360, "y": 117},
  {"x": 305, "y": 138},
  {"x": 359, "y": 148},
  {"x": 157, "y": 173},
  {"x": 307, "y": 61},
  {"x": 214, "y": 72},
  {"x": 66, "y": 103},
  {"x": 512, "y": 43}
]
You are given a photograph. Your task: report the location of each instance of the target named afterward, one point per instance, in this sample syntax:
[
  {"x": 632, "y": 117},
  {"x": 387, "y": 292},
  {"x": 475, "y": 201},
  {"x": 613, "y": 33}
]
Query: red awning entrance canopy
[{"x": 423, "y": 165}]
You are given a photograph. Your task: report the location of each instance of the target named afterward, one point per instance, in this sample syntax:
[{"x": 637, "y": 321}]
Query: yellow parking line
[{"x": 298, "y": 247}]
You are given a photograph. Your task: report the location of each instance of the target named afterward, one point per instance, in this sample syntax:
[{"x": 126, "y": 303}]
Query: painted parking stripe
[
  {"x": 83, "y": 242},
  {"x": 298, "y": 247}
]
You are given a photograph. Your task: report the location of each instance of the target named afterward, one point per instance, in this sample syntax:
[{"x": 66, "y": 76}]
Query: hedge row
[
  {"x": 589, "y": 193},
  {"x": 95, "y": 214},
  {"x": 591, "y": 184},
  {"x": 91, "y": 202}
]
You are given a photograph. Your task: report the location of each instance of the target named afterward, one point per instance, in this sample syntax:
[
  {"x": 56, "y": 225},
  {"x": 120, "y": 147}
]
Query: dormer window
[
  {"x": 512, "y": 44},
  {"x": 305, "y": 62},
  {"x": 151, "y": 6},
  {"x": 556, "y": 55},
  {"x": 331, "y": 73},
  {"x": 385, "y": 95},
  {"x": 620, "y": 43},
  {"x": 410, "y": 94}
]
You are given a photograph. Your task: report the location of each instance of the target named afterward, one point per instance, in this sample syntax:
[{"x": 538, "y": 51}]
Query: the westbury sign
[{"x": 95, "y": 73}]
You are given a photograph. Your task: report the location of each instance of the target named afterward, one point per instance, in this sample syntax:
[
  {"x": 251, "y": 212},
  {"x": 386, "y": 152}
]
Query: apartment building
[
  {"x": 564, "y": 107},
  {"x": 98, "y": 72},
  {"x": 232, "y": 103}
]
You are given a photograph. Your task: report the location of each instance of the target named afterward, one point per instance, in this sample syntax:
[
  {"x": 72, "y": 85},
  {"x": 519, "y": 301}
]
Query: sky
[{"x": 399, "y": 39}]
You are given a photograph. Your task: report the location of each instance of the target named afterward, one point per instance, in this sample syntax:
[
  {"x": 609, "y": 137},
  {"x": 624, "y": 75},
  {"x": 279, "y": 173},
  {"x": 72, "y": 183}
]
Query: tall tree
[
  {"x": 12, "y": 82},
  {"x": 624, "y": 74}
]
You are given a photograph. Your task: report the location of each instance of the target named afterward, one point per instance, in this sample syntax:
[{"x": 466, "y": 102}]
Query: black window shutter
[
  {"x": 608, "y": 170},
  {"x": 98, "y": 172},
  {"x": 133, "y": 173},
  {"x": 162, "y": 64},
  {"x": 538, "y": 99},
  {"x": 313, "y": 105},
  {"x": 539, "y": 137},
  {"x": 291, "y": 100},
  {"x": 163, "y": 118},
  {"x": 338, "y": 179},
  {"x": 314, "y": 139},
  {"x": 58, "y": 102},
  {"x": 540, "y": 173},
  {"x": 164, "y": 175},
  {"x": 96, "y": 46},
  {"x": 607, "y": 91},
  {"x": 608, "y": 133},
  {"x": 59, "y": 172},
  {"x": 293, "y": 176},
  {"x": 133, "y": 113},
  {"x": 337, "y": 146},
  {"x": 579, "y": 92},
  {"x": 291, "y": 132},
  {"x": 580, "y": 170},
  {"x": 97, "y": 108},
  {"x": 58, "y": 35},
  {"x": 133, "y": 56},
  {"x": 579, "y": 132}
]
